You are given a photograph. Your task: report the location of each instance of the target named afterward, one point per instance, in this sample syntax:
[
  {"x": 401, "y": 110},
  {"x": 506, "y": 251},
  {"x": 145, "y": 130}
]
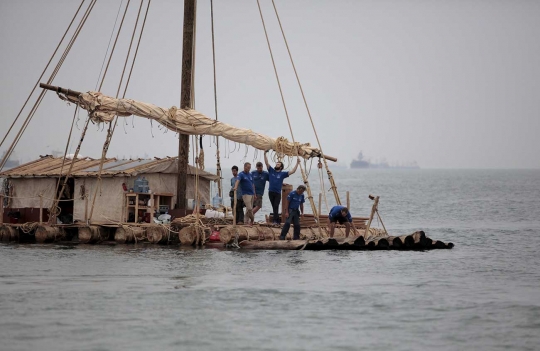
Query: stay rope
[
  {"x": 304, "y": 177},
  {"x": 42, "y": 73},
  {"x": 218, "y": 161},
  {"x": 330, "y": 176},
  {"x": 49, "y": 81},
  {"x": 113, "y": 124}
]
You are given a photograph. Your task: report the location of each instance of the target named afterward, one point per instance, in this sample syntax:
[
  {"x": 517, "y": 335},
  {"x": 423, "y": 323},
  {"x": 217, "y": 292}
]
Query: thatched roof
[{"x": 49, "y": 166}]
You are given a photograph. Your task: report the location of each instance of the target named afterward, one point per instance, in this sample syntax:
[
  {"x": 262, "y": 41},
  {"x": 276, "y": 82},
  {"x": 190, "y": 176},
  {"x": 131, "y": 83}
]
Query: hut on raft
[{"x": 29, "y": 189}]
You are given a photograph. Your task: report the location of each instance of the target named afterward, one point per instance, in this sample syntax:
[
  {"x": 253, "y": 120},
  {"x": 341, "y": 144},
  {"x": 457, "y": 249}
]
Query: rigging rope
[
  {"x": 304, "y": 177},
  {"x": 56, "y": 194},
  {"x": 218, "y": 161},
  {"x": 330, "y": 176},
  {"x": 109, "y": 44},
  {"x": 113, "y": 124},
  {"x": 42, "y": 73},
  {"x": 49, "y": 81}
]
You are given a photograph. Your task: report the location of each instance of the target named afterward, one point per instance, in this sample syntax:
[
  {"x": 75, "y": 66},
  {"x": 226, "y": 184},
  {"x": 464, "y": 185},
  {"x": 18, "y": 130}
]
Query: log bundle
[
  {"x": 129, "y": 235},
  {"x": 192, "y": 235},
  {"x": 160, "y": 234},
  {"x": 8, "y": 233},
  {"x": 48, "y": 234},
  {"x": 415, "y": 241},
  {"x": 92, "y": 234}
]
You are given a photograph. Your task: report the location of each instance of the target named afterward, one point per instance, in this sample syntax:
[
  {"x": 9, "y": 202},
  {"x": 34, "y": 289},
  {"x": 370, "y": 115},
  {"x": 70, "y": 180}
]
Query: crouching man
[
  {"x": 342, "y": 215},
  {"x": 294, "y": 210}
]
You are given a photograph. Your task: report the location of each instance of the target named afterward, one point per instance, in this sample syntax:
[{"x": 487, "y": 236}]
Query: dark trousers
[
  {"x": 294, "y": 217},
  {"x": 275, "y": 200},
  {"x": 239, "y": 210}
]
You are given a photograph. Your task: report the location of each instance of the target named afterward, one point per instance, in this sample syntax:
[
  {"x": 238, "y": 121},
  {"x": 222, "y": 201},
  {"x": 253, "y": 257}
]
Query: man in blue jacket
[
  {"x": 276, "y": 176},
  {"x": 239, "y": 210},
  {"x": 294, "y": 205},
  {"x": 245, "y": 180},
  {"x": 342, "y": 215},
  {"x": 260, "y": 177}
]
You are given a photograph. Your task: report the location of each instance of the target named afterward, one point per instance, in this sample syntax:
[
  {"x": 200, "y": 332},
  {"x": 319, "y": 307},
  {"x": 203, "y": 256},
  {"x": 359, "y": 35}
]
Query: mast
[{"x": 186, "y": 98}]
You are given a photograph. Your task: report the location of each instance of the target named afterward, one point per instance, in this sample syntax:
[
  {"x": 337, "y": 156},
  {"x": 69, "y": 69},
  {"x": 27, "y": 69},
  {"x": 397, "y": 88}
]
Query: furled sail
[{"x": 102, "y": 108}]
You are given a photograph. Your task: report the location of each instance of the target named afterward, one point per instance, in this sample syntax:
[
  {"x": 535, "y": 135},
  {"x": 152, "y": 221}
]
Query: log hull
[
  {"x": 158, "y": 234},
  {"x": 129, "y": 235},
  {"x": 92, "y": 235},
  {"x": 47, "y": 234},
  {"x": 8, "y": 233}
]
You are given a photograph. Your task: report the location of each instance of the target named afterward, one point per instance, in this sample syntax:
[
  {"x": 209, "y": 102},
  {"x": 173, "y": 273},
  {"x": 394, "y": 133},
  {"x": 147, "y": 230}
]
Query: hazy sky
[{"x": 450, "y": 84}]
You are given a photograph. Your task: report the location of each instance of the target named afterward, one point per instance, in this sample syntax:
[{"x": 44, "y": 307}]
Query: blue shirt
[
  {"x": 295, "y": 200},
  {"x": 335, "y": 213},
  {"x": 239, "y": 191},
  {"x": 275, "y": 179},
  {"x": 246, "y": 183},
  {"x": 260, "y": 180}
]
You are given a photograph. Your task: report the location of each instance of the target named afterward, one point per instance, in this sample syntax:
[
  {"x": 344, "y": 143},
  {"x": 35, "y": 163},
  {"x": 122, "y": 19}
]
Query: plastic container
[
  {"x": 143, "y": 187},
  {"x": 137, "y": 186},
  {"x": 217, "y": 201}
]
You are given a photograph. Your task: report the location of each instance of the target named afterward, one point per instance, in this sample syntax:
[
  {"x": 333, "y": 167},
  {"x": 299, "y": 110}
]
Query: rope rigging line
[
  {"x": 330, "y": 176},
  {"x": 218, "y": 161},
  {"x": 304, "y": 177},
  {"x": 56, "y": 194},
  {"x": 42, "y": 73},
  {"x": 51, "y": 78},
  {"x": 78, "y": 149},
  {"x": 114, "y": 45},
  {"x": 109, "y": 44},
  {"x": 113, "y": 124}
]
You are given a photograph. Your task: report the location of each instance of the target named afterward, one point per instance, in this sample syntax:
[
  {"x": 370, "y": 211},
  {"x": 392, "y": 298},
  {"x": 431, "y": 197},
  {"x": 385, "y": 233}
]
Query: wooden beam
[
  {"x": 373, "y": 210},
  {"x": 186, "y": 98}
]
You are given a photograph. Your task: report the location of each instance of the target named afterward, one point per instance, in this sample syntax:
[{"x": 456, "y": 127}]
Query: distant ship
[{"x": 360, "y": 162}]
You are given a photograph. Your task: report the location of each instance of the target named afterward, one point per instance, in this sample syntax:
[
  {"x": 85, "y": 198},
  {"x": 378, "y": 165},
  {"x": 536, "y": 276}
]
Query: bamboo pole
[
  {"x": 320, "y": 203},
  {"x": 348, "y": 201},
  {"x": 373, "y": 209},
  {"x": 40, "y": 209},
  {"x": 380, "y": 219},
  {"x": 86, "y": 209}
]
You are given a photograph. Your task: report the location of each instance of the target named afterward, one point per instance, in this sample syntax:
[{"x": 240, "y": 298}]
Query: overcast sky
[{"x": 449, "y": 84}]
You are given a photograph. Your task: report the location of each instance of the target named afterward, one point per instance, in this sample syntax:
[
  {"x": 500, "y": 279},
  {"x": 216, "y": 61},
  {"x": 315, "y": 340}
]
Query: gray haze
[{"x": 445, "y": 83}]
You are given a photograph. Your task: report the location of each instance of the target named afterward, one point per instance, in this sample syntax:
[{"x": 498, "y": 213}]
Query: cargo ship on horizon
[{"x": 361, "y": 163}]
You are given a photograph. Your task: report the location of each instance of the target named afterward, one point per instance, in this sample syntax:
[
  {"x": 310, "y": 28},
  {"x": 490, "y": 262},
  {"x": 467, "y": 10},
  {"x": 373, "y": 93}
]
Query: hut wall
[
  {"x": 166, "y": 183},
  {"x": 109, "y": 204},
  {"x": 27, "y": 190}
]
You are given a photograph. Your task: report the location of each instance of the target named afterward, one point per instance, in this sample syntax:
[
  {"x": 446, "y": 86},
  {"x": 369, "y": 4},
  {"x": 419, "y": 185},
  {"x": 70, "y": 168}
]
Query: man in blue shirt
[
  {"x": 245, "y": 180},
  {"x": 342, "y": 215},
  {"x": 294, "y": 205},
  {"x": 260, "y": 178},
  {"x": 276, "y": 176},
  {"x": 239, "y": 210}
]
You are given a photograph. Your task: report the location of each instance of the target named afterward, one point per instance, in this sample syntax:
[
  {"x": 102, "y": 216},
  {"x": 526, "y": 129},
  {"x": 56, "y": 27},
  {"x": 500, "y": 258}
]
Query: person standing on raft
[
  {"x": 342, "y": 215},
  {"x": 239, "y": 210},
  {"x": 294, "y": 204},
  {"x": 245, "y": 180},
  {"x": 276, "y": 176},
  {"x": 260, "y": 177}
]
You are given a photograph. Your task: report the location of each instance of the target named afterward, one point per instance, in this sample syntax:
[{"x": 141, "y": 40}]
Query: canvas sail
[{"x": 102, "y": 108}]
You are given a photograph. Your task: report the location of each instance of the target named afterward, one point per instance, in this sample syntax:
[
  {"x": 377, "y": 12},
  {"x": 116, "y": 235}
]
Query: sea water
[{"x": 482, "y": 295}]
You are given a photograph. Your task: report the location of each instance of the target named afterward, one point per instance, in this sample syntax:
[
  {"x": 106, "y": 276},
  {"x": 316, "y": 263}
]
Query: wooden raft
[{"x": 416, "y": 241}]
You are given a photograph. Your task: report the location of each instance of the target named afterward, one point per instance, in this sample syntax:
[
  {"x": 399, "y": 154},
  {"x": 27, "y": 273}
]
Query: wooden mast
[{"x": 186, "y": 98}]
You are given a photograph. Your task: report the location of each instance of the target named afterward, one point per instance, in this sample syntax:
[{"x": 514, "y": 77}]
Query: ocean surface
[{"x": 482, "y": 295}]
